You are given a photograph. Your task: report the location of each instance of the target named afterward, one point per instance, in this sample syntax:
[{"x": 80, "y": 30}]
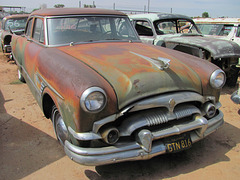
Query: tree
[
  {"x": 59, "y": 5},
  {"x": 205, "y": 15}
]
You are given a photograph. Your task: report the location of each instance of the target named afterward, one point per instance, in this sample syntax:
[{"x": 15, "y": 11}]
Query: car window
[
  {"x": 87, "y": 29},
  {"x": 143, "y": 28},
  {"x": 215, "y": 29},
  {"x": 38, "y": 33},
  {"x": 174, "y": 26},
  {"x": 15, "y": 23},
  {"x": 29, "y": 28},
  {"x": 165, "y": 27},
  {"x": 225, "y": 30}
]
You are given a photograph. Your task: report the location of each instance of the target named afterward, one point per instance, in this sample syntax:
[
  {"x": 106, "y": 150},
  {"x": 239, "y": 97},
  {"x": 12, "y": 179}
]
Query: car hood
[
  {"x": 131, "y": 69},
  {"x": 218, "y": 48}
]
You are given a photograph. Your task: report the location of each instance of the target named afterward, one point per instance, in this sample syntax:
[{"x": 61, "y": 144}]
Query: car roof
[
  {"x": 16, "y": 16},
  {"x": 75, "y": 11},
  {"x": 160, "y": 16},
  {"x": 217, "y": 20}
]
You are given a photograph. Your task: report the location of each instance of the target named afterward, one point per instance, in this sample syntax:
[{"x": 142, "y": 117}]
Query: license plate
[{"x": 178, "y": 143}]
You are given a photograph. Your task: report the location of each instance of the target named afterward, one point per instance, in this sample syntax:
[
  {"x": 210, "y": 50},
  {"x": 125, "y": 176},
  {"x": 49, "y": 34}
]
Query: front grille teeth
[
  {"x": 156, "y": 118},
  {"x": 185, "y": 111}
]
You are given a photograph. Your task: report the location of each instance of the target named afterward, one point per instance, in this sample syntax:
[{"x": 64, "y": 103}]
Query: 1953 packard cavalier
[{"x": 110, "y": 97}]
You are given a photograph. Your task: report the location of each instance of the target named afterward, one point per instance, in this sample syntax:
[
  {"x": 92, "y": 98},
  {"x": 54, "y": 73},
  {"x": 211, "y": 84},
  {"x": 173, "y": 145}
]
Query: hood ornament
[{"x": 161, "y": 63}]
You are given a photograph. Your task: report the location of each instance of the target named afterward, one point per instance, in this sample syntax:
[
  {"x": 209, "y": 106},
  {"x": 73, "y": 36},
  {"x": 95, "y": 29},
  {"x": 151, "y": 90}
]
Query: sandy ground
[{"x": 29, "y": 150}]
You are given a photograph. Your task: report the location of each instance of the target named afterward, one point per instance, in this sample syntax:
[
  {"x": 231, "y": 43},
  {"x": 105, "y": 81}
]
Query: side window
[
  {"x": 143, "y": 28},
  {"x": 38, "y": 33},
  {"x": 225, "y": 30},
  {"x": 238, "y": 32},
  {"x": 29, "y": 28}
]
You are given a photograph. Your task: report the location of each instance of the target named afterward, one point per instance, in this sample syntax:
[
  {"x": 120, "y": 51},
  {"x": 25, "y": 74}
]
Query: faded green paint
[{"x": 131, "y": 76}]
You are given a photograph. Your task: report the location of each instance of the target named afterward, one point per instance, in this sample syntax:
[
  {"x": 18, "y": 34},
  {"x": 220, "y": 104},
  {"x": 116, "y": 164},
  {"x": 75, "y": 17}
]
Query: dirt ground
[{"x": 29, "y": 149}]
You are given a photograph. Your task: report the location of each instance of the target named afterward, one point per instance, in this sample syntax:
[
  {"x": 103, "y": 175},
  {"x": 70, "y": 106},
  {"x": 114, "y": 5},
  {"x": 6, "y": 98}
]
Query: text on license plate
[{"x": 178, "y": 143}]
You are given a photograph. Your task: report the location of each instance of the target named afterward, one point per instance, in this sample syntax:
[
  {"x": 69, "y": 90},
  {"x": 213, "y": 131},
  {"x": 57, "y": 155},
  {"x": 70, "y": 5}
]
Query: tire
[
  {"x": 20, "y": 76},
  {"x": 59, "y": 126}
]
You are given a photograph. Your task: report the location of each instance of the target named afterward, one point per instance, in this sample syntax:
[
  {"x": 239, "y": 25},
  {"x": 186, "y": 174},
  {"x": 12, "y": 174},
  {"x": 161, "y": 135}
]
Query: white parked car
[{"x": 224, "y": 28}]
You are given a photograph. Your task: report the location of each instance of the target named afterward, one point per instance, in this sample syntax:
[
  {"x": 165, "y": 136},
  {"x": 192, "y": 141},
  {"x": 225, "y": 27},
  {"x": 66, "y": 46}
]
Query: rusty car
[
  {"x": 112, "y": 98},
  {"x": 179, "y": 32},
  {"x": 11, "y": 24}
]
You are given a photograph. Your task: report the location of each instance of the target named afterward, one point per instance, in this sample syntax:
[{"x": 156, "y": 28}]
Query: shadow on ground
[{"x": 23, "y": 148}]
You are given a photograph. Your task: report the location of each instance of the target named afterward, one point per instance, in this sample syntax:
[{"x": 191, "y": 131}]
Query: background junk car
[
  {"x": 14, "y": 23},
  {"x": 110, "y": 97},
  {"x": 179, "y": 32},
  {"x": 224, "y": 28}
]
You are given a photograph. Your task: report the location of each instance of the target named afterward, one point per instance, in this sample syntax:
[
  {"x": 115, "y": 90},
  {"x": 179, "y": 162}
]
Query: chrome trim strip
[{"x": 164, "y": 100}]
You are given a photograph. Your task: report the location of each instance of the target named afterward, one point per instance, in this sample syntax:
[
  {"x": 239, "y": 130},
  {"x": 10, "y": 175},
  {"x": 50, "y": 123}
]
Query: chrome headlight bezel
[
  {"x": 218, "y": 79},
  {"x": 85, "y": 101}
]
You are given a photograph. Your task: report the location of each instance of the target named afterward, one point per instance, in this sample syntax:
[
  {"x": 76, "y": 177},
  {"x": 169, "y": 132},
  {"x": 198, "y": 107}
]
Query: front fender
[{"x": 66, "y": 78}]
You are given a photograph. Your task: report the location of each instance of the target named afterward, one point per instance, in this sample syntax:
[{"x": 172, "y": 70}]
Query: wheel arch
[
  {"x": 47, "y": 104},
  {"x": 7, "y": 39}
]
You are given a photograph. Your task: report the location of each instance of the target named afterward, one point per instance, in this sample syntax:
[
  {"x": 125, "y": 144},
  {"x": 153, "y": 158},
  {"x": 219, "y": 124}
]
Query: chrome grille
[{"x": 156, "y": 117}]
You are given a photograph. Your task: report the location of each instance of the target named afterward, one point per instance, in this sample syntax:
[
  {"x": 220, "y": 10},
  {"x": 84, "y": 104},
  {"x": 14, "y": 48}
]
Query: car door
[
  {"x": 144, "y": 30},
  {"x": 35, "y": 43}
]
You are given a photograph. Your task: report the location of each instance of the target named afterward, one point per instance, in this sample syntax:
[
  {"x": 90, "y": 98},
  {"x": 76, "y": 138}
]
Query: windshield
[
  {"x": 15, "y": 24},
  {"x": 87, "y": 29},
  {"x": 215, "y": 29},
  {"x": 174, "y": 26}
]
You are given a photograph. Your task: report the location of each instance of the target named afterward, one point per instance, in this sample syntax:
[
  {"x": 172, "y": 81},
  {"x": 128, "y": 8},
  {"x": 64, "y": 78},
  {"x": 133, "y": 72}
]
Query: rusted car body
[
  {"x": 110, "y": 97},
  {"x": 180, "y": 33},
  {"x": 11, "y": 24}
]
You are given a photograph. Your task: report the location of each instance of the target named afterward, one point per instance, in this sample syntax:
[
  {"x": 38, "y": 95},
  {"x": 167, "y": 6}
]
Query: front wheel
[{"x": 59, "y": 126}]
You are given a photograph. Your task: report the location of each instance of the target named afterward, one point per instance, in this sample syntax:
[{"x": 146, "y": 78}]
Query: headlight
[
  {"x": 218, "y": 79},
  {"x": 93, "y": 99}
]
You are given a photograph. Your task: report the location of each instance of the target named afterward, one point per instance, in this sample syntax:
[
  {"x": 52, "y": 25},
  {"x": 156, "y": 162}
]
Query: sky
[{"x": 192, "y": 8}]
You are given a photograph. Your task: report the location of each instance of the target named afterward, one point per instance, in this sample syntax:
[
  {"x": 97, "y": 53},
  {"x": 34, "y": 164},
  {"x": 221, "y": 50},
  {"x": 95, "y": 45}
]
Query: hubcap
[{"x": 60, "y": 128}]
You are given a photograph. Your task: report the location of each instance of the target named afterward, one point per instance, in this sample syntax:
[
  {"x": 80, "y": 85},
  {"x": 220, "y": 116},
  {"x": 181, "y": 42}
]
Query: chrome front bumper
[{"x": 198, "y": 128}]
